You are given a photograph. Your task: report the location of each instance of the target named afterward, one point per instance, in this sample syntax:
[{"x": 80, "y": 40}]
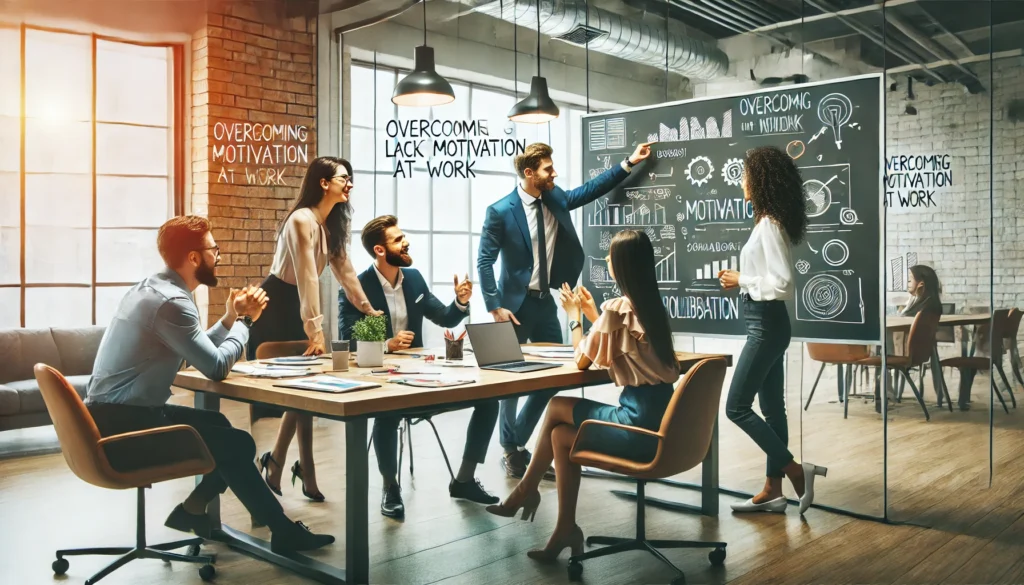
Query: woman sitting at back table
[
  {"x": 924, "y": 289},
  {"x": 631, "y": 337}
]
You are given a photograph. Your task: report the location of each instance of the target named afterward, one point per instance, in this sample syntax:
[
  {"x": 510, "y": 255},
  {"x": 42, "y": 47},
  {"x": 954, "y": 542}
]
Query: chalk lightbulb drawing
[{"x": 834, "y": 110}]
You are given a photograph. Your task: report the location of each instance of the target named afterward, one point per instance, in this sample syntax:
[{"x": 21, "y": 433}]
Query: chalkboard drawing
[
  {"x": 598, "y": 135},
  {"x": 616, "y": 133},
  {"x": 732, "y": 172},
  {"x": 613, "y": 214},
  {"x": 803, "y": 266},
  {"x": 827, "y": 195},
  {"x": 835, "y": 252},
  {"x": 655, "y": 176},
  {"x": 665, "y": 269},
  {"x": 606, "y": 240},
  {"x": 668, "y": 232},
  {"x": 692, "y": 129},
  {"x": 681, "y": 217},
  {"x": 911, "y": 259},
  {"x": 834, "y": 110},
  {"x": 598, "y": 271},
  {"x": 710, "y": 271},
  {"x": 848, "y": 216},
  {"x": 651, "y": 234},
  {"x": 796, "y": 149},
  {"x": 826, "y": 297},
  {"x": 699, "y": 170}
]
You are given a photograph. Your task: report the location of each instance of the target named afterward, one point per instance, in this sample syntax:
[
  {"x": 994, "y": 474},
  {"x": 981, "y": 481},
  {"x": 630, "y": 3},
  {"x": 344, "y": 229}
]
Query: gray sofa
[{"x": 71, "y": 351}]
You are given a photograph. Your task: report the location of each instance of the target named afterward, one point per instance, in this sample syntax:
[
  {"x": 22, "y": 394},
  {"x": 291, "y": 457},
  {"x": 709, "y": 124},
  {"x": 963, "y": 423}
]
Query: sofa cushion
[
  {"x": 10, "y": 404},
  {"x": 78, "y": 348},
  {"x": 31, "y": 399},
  {"x": 24, "y": 348}
]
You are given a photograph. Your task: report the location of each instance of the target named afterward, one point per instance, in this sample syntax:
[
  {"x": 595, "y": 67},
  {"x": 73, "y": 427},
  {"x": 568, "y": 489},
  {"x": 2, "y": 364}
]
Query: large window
[
  {"x": 442, "y": 217},
  {"x": 87, "y": 151}
]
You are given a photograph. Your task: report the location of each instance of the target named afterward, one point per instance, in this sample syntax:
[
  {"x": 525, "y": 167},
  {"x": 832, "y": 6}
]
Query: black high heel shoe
[
  {"x": 297, "y": 474},
  {"x": 265, "y": 460}
]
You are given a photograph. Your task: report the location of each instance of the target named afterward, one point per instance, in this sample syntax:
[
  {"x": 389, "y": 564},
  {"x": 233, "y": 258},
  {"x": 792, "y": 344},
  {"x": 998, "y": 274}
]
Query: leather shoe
[
  {"x": 514, "y": 464},
  {"x": 776, "y": 505},
  {"x": 471, "y": 490},
  {"x": 198, "y": 524},
  {"x": 296, "y": 537},
  {"x": 391, "y": 504}
]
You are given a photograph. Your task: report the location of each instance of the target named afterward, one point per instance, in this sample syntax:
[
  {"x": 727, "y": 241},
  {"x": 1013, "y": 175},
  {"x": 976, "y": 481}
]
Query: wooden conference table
[{"x": 354, "y": 408}]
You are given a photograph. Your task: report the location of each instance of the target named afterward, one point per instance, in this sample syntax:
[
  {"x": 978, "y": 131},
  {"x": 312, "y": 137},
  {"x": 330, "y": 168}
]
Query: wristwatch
[
  {"x": 574, "y": 325},
  {"x": 628, "y": 164},
  {"x": 248, "y": 321}
]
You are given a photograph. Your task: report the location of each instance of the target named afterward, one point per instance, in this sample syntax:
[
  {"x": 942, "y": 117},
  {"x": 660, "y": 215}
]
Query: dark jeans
[
  {"x": 538, "y": 323},
  {"x": 233, "y": 452},
  {"x": 760, "y": 372},
  {"x": 478, "y": 436}
]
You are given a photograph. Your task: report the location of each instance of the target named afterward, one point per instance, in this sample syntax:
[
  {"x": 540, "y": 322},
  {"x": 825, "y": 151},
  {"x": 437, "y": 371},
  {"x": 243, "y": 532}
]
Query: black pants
[
  {"x": 538, "y": 322},
  {"x": 760, "y": 371},
  {"x": 233, "y": 451},
  {"x": 478, "y": 436}
]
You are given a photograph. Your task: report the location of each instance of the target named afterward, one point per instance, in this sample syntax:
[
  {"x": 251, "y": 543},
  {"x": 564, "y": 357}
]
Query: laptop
[{"x": 496, "y": 347}]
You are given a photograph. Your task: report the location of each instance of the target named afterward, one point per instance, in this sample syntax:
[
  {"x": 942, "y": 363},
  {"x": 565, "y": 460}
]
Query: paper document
[
  {"x": 324, "y": 383},
  {"x": 261, "y": 371},
  {"x": 431, "y": 382}
]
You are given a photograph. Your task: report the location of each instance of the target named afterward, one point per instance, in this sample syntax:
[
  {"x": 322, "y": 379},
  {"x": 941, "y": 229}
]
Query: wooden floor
[{"x": 964, "y": 532}]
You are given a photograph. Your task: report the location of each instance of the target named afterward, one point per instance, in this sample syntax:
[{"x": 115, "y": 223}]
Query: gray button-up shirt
[{"x": 156, "y": 327}]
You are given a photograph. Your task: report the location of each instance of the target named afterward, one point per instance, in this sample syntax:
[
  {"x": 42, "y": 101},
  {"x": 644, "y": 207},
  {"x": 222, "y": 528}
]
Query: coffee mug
[{"x": 339, "y": 355}]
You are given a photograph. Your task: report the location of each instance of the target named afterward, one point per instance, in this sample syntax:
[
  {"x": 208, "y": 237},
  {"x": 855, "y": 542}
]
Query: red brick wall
[{"x": 253, "y": 102}]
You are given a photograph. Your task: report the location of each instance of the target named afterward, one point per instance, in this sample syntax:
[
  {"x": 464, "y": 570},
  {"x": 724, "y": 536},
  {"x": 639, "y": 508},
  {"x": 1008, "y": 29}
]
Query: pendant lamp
[
  {"x": 423, "y": 87},
  {"x": 537, "y": 107}
]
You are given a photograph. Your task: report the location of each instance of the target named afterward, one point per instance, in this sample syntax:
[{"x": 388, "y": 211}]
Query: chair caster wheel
[
  {"x": 60, "y": 566},
  {"x": 192, "y": 550},
  {"x": 717, "y": 557},
  {"x": 207, "y": 572},
  {"x": 575, "y": 571}
]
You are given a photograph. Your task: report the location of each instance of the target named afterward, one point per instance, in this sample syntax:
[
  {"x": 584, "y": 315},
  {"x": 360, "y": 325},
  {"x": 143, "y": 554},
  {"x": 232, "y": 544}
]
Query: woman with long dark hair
[
  {"x": 315, "y": 233},
  {"x": 773, "y": 186},
  {"x": 630, "y": 337},
  {"x": 923, "y": 286}
]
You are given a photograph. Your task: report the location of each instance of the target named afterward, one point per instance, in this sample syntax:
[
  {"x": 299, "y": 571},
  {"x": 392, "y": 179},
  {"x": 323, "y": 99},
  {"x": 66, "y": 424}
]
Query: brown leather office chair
[
  {"x": 683, "y": 440},
  {"x": 86, "y": 454},
  {"x": 838, "y": 355},
  {"x": 920, "y": 344},
  {"x": 970, "y": 365}
]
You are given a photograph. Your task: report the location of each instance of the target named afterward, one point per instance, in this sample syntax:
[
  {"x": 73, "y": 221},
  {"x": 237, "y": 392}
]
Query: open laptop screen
[{"x": 494, "y": 343}]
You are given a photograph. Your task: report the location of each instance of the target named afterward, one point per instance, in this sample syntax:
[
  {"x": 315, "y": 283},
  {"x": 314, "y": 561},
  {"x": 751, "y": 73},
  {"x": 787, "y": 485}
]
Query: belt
[{"x": 537, "y": 294}]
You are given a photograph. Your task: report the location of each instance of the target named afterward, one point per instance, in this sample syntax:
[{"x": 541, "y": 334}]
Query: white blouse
[
  {"x": 766, "y": 263},
  {"x": 302, "y": 254}
]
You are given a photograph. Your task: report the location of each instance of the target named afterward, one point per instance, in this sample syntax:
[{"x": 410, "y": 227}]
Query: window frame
[{"x": 176, "y": 154}]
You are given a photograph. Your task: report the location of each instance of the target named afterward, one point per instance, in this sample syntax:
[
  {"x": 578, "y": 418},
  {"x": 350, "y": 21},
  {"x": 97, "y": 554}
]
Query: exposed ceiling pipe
[
  {"x": 707, "y": 14},
  {"x": 613, "y": 34},
  {"x": 937, "y": 50},
  {"x": 376, "y": 19},
  {"x": 886, "y": 44},
  {"x": 740, "y": 13}
]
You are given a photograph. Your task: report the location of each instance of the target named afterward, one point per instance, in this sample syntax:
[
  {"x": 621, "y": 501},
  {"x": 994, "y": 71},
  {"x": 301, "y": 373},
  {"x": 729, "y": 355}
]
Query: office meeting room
[{"x": 413, "y": 292}]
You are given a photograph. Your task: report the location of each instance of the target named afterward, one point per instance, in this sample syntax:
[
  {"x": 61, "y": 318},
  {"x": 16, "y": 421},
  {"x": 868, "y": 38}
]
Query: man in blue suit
[
  {"x": 405, "y": 298},
  {"x": 531, "y": 230}
]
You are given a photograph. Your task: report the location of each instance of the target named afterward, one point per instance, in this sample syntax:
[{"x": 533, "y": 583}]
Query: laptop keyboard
[{"x": 510, "y": 366}]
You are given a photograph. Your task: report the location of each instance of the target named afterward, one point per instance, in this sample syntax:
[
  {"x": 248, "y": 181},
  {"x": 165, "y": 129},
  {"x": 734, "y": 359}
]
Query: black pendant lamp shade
[
  {"x": 537, "y": 107},
  {"x": 423, "y": 87}
]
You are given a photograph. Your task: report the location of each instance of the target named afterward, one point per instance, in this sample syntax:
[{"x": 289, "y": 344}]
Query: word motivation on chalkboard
[{"x": 688, "y": 198}]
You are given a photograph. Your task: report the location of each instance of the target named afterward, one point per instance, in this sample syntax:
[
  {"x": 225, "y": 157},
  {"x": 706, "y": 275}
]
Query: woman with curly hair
[{"x": 773, "y": 186}]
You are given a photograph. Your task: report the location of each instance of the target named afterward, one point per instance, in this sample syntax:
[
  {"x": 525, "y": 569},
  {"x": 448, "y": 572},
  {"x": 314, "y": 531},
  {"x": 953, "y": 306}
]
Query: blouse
[
  {"x": 616, "y": 342},
  {"x": 301, "y": 255},
  {"x": 766, "y": 263}
]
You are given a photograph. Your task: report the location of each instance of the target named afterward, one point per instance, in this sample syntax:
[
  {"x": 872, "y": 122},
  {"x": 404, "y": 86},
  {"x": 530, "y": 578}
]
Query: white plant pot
[{"x": 370, "y": 354}]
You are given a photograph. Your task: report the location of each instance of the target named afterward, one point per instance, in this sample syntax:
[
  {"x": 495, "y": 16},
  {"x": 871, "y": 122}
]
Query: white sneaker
[{"x": 776, "y": 505}]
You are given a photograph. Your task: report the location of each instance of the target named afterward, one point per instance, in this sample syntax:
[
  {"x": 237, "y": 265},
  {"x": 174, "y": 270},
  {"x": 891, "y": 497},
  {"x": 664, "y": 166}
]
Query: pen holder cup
[
  {"x": 453, "y": 349},
  {"x": 339, "y": 356}
]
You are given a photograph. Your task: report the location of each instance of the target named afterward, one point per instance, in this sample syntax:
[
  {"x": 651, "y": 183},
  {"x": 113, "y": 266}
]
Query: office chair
[
  {"x": 683, "y": 441},
  {"x": 86, "y": 454}
]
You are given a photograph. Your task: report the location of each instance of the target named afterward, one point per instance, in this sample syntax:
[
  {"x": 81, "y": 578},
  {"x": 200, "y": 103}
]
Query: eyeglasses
[
  {"x": 216, "y": 250},
  {"x": 344, "y": 179}
]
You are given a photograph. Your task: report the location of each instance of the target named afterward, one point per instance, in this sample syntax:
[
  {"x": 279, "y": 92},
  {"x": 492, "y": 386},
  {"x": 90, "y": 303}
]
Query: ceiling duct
[{"x": 612, "y": 34}]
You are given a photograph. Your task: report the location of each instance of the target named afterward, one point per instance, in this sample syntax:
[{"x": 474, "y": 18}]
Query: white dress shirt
[
  {"x": 766, "y": 263},
  {"x": 550, "y": 233},
  {"x": 394, "y": 296}
]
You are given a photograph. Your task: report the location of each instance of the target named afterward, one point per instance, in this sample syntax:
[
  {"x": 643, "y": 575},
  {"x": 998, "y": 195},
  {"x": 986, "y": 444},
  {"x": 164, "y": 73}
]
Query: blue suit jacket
[
  {"x": 507, "y": 233},
  {"x": 413, "y": 286}
]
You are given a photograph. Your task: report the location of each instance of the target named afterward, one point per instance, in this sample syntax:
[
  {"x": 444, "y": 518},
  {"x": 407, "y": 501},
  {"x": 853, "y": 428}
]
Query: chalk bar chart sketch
[{"x": 687, "y": 197}]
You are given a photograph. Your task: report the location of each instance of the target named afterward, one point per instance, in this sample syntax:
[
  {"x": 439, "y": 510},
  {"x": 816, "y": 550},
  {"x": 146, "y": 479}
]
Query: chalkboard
[{"x": 689, "y": 199}]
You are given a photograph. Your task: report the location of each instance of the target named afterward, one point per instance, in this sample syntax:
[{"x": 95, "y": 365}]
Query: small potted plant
[{"x": 370, "y": 332}]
